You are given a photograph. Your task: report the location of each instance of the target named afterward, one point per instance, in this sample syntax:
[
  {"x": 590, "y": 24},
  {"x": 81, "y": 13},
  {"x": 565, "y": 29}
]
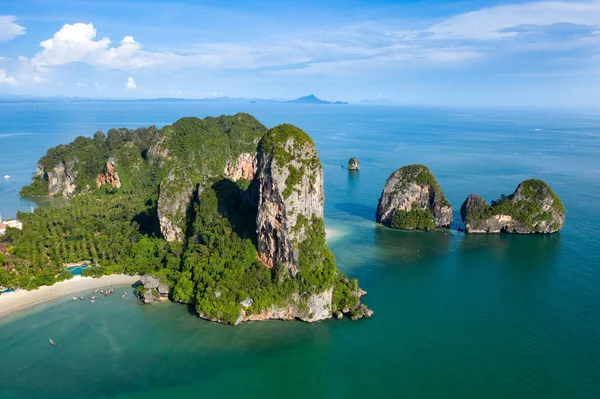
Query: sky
[{"x": 433, "y": 52}]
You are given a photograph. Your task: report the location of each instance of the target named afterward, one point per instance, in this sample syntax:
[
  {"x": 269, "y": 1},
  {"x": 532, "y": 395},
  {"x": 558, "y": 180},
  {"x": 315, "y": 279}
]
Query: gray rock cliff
[{"x": 412, "y": 199}]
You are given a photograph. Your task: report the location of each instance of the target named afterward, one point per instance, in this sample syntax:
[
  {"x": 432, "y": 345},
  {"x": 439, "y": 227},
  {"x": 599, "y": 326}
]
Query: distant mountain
[
  {"x": 302, "y": 100},
  {"x": 312, "y": 99}
]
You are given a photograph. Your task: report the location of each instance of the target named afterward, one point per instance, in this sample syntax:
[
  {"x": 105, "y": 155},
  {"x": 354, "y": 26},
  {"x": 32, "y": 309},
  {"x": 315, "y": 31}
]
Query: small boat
[
  {"x": 81, "y": 298},
  {"x": 51, "y": 342},
  {"x": 74, "y": 298},
  {"x": 123, "y": 296},
  {"x": 93, "y": 298},
  {"x": 452, "y": 233},
  {"x": 6, "y": 177},
  {"x": 96, "y": 290},
  {"x": 92, "y": 301},
  {"x": 102, "y": 291}
]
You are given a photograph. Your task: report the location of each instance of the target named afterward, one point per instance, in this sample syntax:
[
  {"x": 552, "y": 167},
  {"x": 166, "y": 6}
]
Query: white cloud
[
  {"x": 491, "y": 23},
  {"x": 130, "y": 85},
  {"x": 7, "y": 80},
  {"x": 72, "y": 43},
  {"x": 81, "y": 84},
  {"x": 9, "y": 28},
  {"x": 99, "y": 87}
]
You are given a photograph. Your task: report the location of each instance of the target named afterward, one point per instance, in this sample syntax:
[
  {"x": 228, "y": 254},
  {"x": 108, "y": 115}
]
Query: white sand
[{"x": 22, "y": 299}]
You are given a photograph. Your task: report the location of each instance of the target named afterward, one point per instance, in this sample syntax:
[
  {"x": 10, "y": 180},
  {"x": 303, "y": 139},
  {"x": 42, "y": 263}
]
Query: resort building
[{"x": 9, "y": 223}]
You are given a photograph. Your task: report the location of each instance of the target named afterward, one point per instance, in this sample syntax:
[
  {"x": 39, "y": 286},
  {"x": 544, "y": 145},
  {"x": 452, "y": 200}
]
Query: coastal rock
[
  {"x": 412, "y": 199},
  {"x": 532, "y": 208},
  {"x": 61, "y": 178},
  {"x": 110, "y": 176},
  {"x": 353, "y": 164},
  {"x": 290, "y": 190},
  {"x": 316, "y": 308},
  {"x": 174, "y": 199}
]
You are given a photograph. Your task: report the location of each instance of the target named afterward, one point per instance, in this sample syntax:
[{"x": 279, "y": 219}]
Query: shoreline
[{"x": 21, "y": 299}]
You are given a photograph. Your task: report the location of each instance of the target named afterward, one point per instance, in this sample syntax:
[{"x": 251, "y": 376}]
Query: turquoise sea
[{"x": 456, "y": 316}]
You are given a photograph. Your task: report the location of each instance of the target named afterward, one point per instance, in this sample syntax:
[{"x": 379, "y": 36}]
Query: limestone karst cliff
[
  {"x": 532, "y": 208},
  {"x": 413, "y": 200},
  {"x": 290, "y": 193}
]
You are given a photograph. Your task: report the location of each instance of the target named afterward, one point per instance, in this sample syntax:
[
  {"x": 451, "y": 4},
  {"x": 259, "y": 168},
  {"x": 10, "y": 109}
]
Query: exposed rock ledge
[
  {"x": 110, "y": 176},
  {"x": 243, "y": 168}
]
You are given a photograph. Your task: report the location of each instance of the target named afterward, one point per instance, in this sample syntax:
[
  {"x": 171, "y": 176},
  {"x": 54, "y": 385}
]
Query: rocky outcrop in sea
[
  {"x": 532, "y": 208},
  {"x": 413, "y": 200},
  {"x": 353, "y": 164}
]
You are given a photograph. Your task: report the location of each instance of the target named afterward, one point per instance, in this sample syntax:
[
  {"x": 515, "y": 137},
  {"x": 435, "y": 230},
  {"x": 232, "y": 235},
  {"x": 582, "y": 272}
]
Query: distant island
[
  {"x": 310, "y": 99},
  {"x": 221, "y": 213}
]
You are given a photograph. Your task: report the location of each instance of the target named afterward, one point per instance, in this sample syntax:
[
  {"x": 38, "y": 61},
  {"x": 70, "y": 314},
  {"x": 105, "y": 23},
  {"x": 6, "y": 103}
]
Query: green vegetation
[
  {"x": 292, "y": 181},
  {"x": 287, "y": 143},
  {"x": 37, "y": 188},
  {"x": 116, "y": 232},
  {"x": 205, "y": 145},
  {"x": 415, "y": 219},
  {"x": 85, "y": 158}
]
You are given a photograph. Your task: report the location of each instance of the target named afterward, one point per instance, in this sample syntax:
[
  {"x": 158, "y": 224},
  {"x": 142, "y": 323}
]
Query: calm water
[{"x": 455, "y": 316}]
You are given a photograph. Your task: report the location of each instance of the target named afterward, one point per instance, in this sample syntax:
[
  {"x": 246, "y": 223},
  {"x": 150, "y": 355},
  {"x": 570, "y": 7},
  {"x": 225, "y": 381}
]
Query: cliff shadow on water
[
  {"x": 405, "y": 247},
  {"x": 533, "y": 250}
]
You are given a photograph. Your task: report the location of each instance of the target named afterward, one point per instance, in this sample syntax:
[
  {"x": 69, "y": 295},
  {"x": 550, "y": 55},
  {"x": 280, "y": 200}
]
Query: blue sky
[{"x": 412, "y": 52}]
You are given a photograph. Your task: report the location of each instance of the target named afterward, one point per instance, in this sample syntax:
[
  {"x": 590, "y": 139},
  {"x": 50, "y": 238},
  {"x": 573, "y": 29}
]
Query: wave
[{"x": 4, "y": 135}]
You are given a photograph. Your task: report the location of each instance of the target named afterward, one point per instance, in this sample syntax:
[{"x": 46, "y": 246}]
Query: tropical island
[
  {"x": 225, "y": 213},
  {"x": 412, "y": 199},
  {"x": 532, "y": 208}
]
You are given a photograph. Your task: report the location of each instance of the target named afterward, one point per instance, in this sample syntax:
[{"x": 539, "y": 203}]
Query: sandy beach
[{"x": 22, "y": 299}]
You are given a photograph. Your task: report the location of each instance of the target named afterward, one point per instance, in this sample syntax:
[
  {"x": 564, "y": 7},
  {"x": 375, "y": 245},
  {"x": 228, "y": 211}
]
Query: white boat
[{"x": 6, "y": 177}]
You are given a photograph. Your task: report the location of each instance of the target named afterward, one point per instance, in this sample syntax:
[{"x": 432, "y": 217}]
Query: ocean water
[{"x": 456, "y": 316}]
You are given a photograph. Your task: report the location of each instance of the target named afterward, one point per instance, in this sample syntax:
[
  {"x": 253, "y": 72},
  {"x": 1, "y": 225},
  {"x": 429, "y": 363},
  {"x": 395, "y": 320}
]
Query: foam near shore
[{"x": 21, "y": 299}]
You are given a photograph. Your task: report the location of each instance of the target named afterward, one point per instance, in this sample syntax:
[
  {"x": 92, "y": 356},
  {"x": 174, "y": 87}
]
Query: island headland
[{"x": 223, "y": 212}]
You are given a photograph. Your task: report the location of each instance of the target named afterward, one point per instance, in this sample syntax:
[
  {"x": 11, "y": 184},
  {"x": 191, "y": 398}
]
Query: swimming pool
[{"x": 77, "y": 269}]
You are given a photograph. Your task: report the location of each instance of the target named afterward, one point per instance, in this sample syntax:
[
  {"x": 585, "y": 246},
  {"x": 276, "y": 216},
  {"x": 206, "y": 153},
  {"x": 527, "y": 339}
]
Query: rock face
[
  {"x": 173, "y": 203},
  {"x": 244, "y": 167},
  {"x": 353, "y": 164},
  {"x": 110, "y": 176},
  {"x": 318, "y": 307},
  {"x": 290, "y": 187},
  {"x": 412, "y": 199},
  {"x": 532, "y": 208},
  {"x": 151, "y": 290},
  {"x": 61, "y": 178}
]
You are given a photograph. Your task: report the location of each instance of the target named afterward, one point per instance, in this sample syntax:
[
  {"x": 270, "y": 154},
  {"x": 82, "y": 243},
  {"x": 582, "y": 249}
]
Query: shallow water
[{"x": 455, "y": 316}]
